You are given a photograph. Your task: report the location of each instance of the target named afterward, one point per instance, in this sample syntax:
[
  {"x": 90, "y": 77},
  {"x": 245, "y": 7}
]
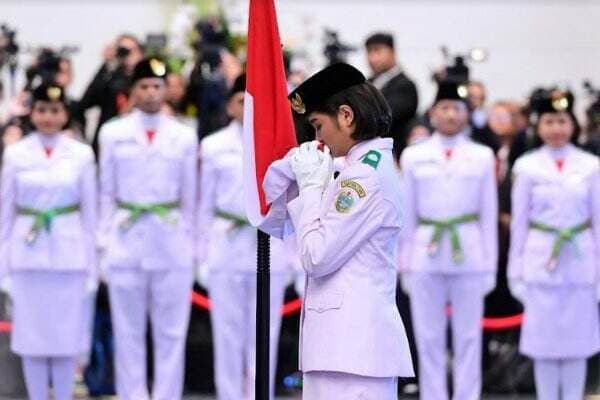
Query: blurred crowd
[{"x": 198, "y": 91}]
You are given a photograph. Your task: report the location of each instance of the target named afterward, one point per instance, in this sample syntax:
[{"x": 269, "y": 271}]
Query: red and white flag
[{"x": 268, "y": 125}]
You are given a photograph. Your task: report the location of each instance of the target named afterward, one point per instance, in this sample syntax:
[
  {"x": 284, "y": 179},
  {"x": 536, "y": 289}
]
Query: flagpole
[{"x": 263, "y": 299}]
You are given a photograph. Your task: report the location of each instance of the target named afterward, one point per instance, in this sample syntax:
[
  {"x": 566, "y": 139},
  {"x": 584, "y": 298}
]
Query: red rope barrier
[
  {"x": 502, "y": 323},
  {"x": 294, "y": 306},
  {"x": 5, "y": 326}
]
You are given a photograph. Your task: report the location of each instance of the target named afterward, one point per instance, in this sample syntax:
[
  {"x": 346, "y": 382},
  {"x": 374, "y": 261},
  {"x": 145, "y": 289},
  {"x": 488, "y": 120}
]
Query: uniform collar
[
  {"x": 148, "y": 121},
  {"x": 560, "y": 153},
  {"x": 362, "y": 148},
  {"x": 383, "y": 78},
  {"x": 54, "y": 142},
  {"x": 236, "y": 132},
  {"x": 449, "y": 142},
  {"x": 236, "y": 127}
]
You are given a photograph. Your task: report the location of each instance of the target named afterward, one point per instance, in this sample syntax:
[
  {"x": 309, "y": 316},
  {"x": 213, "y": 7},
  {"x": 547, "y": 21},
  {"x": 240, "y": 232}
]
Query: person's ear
[{"x": 346, "y": 116}]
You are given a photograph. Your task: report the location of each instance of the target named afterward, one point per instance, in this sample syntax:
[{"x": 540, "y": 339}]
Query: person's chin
[{"x": 48, "y": 131}]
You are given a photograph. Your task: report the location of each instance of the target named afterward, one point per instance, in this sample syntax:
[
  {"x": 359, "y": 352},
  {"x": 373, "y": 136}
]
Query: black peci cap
[
  {"x": 322, "y": 85},
  {"x": 451, "y": 90},
  {"x": 49, "y": 92},
  {"x": 149, "y": 68},
  {"x": 551, "y": 100}
]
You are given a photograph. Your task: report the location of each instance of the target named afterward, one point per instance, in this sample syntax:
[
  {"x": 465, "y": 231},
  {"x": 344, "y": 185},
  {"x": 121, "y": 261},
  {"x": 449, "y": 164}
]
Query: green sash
[
  {"x": 562, "y": 237},
  {"x": 43, "y": 218},
  {"x": 450, "y": 225},
  {"x": 137, "y": 210},
  {"x": 238, "y": 220}
]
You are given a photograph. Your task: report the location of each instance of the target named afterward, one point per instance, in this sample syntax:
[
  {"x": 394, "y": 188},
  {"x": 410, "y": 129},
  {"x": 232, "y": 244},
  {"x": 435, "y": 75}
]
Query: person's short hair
[
  {"x": 372, "y": 113},
  {"x": 380, "y": 38},
  {"x": 133, "y": 38}
]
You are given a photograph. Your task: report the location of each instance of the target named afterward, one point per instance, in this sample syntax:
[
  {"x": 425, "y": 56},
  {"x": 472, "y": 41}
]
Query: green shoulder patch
[
  {"x": 372, "y": 158},
  {"x": 354, "y": 186}
]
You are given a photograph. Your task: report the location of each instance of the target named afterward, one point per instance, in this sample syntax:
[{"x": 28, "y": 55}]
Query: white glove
[
  {"x": 91, "y": 285},
  {"x": 517, "y": 289},
  {"x": 6, "y": 285},
  {"x": 299, "y": 283},
  {"x": 406, "y": 283},
  {"x": 313, "y": 168},
  {"x": 489, "y": 283},
  {"x": 202, "y": 274}
]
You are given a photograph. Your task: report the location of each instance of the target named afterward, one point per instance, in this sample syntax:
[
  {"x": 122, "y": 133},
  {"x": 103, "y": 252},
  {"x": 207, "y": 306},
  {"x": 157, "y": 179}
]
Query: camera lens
[{"x": 122, "y": 52}]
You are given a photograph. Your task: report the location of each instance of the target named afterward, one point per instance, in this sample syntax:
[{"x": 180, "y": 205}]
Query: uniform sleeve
[
  {"x": 189, "y": 183},
  {"x": 409, "y": 225},
  {"x": 89, "y": 210},
  {"x": 327, "y": 242},
  {"x": 595, "y": 211},
  {"x": 521, "y": 195},
  {"x": 108, "y": 186},
  {"x": 489, "y": 215},
  {"x": 7, "y": 210},
  {"x": 206, "y": 203}
]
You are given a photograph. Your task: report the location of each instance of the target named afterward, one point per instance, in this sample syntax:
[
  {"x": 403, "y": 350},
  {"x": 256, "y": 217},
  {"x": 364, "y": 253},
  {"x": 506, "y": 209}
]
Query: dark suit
[
  {"x": 401, "y": 94},
  {"x": 107, "y": 89}
]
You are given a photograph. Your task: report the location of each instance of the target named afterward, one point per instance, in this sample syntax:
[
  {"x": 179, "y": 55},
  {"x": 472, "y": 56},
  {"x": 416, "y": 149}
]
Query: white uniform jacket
[
  {"x": 347, "y": 239},
  {"x": 561, "y": 199},
  {"x": 33, "y": 180},
  {"x": 441, "y": 188},
  {"x": 132, "y": 170}
]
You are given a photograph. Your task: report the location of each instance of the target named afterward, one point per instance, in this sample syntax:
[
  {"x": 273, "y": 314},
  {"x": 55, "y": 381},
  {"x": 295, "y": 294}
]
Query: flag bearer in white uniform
[
  {"x": 148, "y": 178},
  {"x": 554, "y": 258},
  {"x": 227, "y": 244},
  {"x": 449, "y": 245},
  {"x": 47, "y": 247},
  {"x": 352, "y": 340}
]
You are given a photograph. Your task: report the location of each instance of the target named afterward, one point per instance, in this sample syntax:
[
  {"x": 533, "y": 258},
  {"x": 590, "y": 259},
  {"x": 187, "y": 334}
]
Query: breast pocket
[
  {"x": 544, "y": 193},
  {"x": 169, "y": 162},
  {"x": 428, "y": 170},
  {"x": 323, "y": 302},
  {"x": 127, "y": 151}
]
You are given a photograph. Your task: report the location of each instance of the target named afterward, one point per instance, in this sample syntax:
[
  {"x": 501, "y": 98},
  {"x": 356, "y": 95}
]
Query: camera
[
  {"x": 122, "y": 53},
  {"x": 8, "y": 46},
  {"x": 156, "y": 44},
  {"x": 335, "y": 51},
  {"x": 457, "y": 69}
]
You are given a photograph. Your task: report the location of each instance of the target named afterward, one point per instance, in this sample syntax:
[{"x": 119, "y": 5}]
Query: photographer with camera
[
  {"x": 48, "y": 67},
  {"x": 110, "y": 86},
  {"x": 398, "y": 89}
]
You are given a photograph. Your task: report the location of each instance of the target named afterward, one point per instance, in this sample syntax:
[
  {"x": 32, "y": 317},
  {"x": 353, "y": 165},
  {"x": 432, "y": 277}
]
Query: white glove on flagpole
[
  {"x": 313, "y": 168},
  {"x": 91, "y": 285},
  {"x": 202, "y": 273},
  {"x": 406, "y": 282},
  {"x": 489, "y": 282},
  {"x": 517, "y": 289},
  {"x": 6, "y": 285}
]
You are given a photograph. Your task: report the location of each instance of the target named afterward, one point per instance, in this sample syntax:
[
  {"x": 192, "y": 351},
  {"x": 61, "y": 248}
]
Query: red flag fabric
[{"x": 268, "y": 125}]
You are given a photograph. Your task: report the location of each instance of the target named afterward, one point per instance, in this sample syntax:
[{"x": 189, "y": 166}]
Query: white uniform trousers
[
  {"x": 233, "y": 318},
  {"x": 164, "y": 295},
  {"x": 560, "y": 379},
  {"x": 319, "y": 385},
  {"x": 430, "y": 294}
]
